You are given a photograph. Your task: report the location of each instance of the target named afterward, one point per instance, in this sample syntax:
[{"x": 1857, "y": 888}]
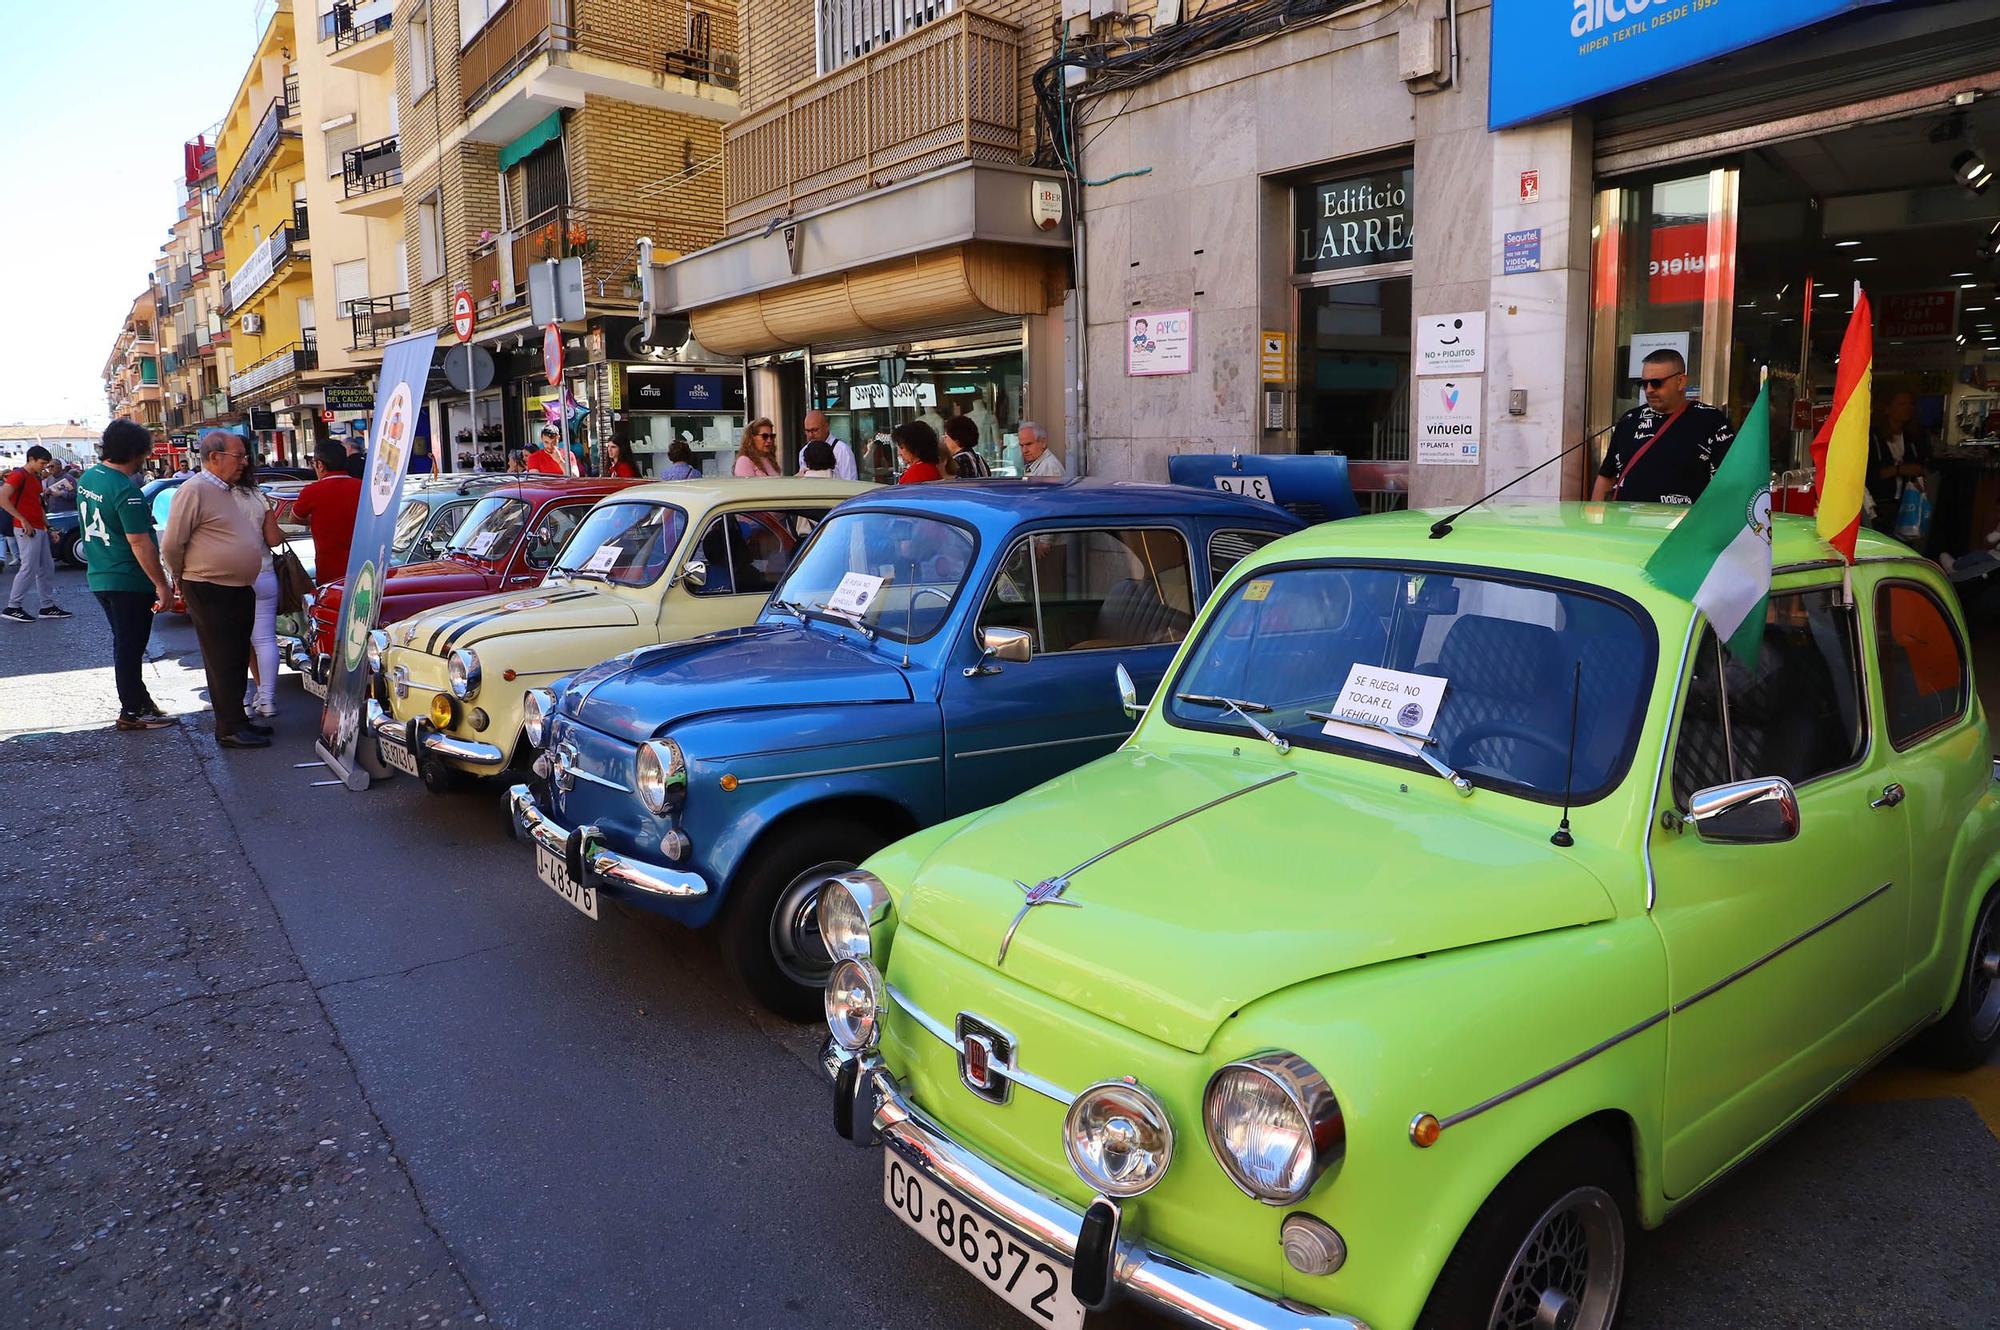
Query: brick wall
[
  {"x": 620, "y": 155},
  {"x": 644, "y": 31}
]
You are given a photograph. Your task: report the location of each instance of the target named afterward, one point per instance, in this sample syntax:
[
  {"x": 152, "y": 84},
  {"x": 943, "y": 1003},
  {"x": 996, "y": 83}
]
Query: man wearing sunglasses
[{"x": 1665, "y": 450}]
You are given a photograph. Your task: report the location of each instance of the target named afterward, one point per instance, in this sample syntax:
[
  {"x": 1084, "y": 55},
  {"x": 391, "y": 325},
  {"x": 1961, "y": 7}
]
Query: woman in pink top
[{"x": 757, "y": 451}]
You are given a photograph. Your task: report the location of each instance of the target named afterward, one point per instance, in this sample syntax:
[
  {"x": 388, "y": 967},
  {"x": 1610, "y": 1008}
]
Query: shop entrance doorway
[{"x": 1748, "y": 264}]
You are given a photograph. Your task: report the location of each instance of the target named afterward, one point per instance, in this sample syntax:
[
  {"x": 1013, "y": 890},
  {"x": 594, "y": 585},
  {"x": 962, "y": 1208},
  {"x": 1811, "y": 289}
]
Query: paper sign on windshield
[
  {"x": 856, "y": 592},
  {"x": 602, "y": 560},
  {"x": 1374, "y": 695},
  {"x": 482, "y": 543}
]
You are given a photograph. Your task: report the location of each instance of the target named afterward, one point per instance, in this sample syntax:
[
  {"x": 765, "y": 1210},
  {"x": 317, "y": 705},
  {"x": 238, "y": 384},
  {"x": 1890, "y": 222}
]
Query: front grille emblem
[
  {"x": 984, "y": 1055},
  {"x": 1046, "y": 892},
  {"x": 562, "y": 768}
]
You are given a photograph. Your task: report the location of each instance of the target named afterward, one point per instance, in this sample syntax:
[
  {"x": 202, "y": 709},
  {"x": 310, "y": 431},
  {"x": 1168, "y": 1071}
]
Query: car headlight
[
  {"x": 378, "y": 642},
  {"x": 852, "y": 909},
  {"x": 306, "y": 603},
  {"x": 662, "y": 775},
  {"x": 854, "y": 1005},
  {"x": 462, "y": 669},
  {"x": 537, "y": 705},
  {"x": 1118, "y": 1138},
  {"x": 1274, "y": 1125}
]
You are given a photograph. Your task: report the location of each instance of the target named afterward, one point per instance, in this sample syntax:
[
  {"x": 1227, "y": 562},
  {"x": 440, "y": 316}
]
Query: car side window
[
  {"x": 1796, "y": 713},
  {"x": 747, "y": 553},
  {"x": 1228, "y": 548},
  {"x": 1089, "y": 589},
  {"x": 546, "y": 540},
  {"x": 444, "y": 524},
  {"x": 1924, "y": 683}
]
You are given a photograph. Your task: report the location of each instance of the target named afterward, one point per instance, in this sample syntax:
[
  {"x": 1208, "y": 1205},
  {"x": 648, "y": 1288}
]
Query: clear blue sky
[{"x": 100, "y": 95}]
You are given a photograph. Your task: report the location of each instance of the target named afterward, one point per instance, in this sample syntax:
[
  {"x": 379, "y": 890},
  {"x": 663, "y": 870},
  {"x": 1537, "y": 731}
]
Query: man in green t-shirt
[{"x": 115, "y": 537}]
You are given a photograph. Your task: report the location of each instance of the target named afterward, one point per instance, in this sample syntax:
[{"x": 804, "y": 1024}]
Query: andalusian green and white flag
[{"x": 1719, "y": 555}]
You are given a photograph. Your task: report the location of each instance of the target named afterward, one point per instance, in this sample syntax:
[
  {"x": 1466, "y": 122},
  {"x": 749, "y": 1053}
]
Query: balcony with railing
[
  {"x": 211, "y": 244},
  {"x": 262, "y": 265},
  {"x": 676, "y": 40},
  {"x": 274, "y": 128},
  {"x": 213, "y": 405},
  {"x": 946, "y": 93},
  {"x": 301, "y": 227},
  {"x": 369, "y": 176},
  {"x": 360, "y": 35},
  {"x": 378, "y": 320},
  {"x": 274, "y": 371},
  {"x": 606, "y": 239}
]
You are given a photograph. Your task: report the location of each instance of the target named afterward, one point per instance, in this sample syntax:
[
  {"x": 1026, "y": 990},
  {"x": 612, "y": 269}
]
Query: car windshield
[
  {"x": 623, "y": 543},
  {"x": 887, "y": 573},
  {"x": 1476, "y": 672},
  {"x": 491, "y": 529}
]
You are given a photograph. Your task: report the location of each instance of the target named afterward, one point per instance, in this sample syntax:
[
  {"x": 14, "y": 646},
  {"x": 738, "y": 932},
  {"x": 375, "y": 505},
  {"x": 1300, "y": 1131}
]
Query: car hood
[
  {"x": 1216, "y": 904},
  {"x": 740, "y": 669},
  {"x": 442, "y": 576},
  {"x": 465, "y": 623}
]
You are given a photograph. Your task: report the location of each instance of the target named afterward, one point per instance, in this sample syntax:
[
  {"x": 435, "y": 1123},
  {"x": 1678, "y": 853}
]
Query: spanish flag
[{"x": 1840, "y": 449}]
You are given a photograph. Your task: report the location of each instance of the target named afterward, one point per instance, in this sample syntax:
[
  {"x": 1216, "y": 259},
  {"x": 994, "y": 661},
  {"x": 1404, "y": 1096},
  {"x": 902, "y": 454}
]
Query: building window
[
  {"x": 338, "y": 141},
  {"x": 545, "y": 182},
  {"x": 419, "y": 37},
  {"x": 350, "y": 283},
  {"x": 474, "y": 15},
  {"x": 849, "y": 29},
  {"x": 430, "y": 240}
]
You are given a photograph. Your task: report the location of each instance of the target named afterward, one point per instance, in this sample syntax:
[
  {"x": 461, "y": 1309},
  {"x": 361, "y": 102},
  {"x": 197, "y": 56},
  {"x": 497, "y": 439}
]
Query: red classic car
[{"x": 506, "y": 541}]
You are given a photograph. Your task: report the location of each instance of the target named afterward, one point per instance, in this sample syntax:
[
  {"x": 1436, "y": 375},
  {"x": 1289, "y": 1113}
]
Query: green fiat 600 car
[{"x": 1458, "y": 906}]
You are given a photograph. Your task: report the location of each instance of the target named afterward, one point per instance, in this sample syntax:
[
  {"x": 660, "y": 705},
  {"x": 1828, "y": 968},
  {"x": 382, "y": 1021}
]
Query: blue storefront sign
[
  {"x": 1521, "y": 251},
  {"x": 1549, "y": 55}
]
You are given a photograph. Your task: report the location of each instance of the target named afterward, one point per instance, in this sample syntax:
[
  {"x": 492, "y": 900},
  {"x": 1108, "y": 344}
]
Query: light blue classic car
[{"x": 933, "y": 650}]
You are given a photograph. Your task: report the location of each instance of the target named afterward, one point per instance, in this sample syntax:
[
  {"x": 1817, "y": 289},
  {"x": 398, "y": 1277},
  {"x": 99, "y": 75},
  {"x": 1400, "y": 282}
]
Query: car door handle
[{"x": 1891, "y": 796}]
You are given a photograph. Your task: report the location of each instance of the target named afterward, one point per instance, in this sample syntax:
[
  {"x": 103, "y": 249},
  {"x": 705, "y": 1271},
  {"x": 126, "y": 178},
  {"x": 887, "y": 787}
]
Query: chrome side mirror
[
  {"x": 695, "y": 573},
  {"x": 1128, "y": 695},
  {"x": 1014, "y": 645},
  {"x": 1764, "y": 811}
]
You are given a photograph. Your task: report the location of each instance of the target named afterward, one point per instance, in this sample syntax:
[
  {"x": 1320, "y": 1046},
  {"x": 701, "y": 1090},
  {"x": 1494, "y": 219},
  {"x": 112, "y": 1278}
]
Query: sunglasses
[
  {"x": 1660, "y": 383},
  {"x": 767, "y": 434}
]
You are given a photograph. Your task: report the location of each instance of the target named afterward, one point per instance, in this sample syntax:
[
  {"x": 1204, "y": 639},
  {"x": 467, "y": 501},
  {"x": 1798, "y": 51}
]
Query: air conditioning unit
[
  {"x": 726, "y": 69},
  {"x": 253, "y": 323}
]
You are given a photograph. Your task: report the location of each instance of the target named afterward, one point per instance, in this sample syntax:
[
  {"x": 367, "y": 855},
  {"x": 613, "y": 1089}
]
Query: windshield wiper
[
  {"x": 791, "y": 607},
  {"x": 819, "y": 607},
  {"x": 1413, "y": 742},
  {"x": 1243, "y": 709}
]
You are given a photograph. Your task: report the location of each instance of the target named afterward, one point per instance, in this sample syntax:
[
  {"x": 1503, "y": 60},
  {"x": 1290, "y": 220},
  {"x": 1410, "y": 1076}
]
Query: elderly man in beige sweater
[{"x": 218, "y": 535}]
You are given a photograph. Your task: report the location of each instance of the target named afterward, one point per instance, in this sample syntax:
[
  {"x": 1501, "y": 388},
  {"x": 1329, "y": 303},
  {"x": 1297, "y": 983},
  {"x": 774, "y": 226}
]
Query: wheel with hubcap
[
  {"x": 1965, "y": 1035},
  {"x": 1547, "y": 1250},
  {"x": 770, "y": 928}
]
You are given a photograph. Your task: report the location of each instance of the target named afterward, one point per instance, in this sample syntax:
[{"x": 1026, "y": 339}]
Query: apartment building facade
[
  {"x": 189, "y": 282},
  {"x": 540, "y": 131},
  {"x": 267, "y": 246},
  {"x": 132, "y": 370},
  {"x": 352, "y": 164},
  {"x": 893, "y": 253}
]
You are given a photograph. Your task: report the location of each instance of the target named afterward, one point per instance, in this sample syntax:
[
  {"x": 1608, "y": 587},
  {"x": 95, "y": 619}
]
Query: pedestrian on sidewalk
[
  {"x": 21, "y": 500},
  {"x": 961, "y": 442},
  {"x": 216, "y": 541},
  {"x": 260, "y": 696},
  {"x": 115, "y": 524},
  {"x": 328, "y": 506}
]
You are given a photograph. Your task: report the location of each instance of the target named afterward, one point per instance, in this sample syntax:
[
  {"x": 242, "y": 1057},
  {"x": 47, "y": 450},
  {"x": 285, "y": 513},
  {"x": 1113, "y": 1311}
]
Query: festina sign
[{"x": 1352, "y": 222}]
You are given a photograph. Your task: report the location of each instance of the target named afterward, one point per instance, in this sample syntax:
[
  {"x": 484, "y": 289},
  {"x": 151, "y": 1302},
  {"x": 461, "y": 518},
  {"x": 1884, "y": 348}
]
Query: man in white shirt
[
  {"x": 1042, "y": 464},
  {"x": 843, "y": 456}
]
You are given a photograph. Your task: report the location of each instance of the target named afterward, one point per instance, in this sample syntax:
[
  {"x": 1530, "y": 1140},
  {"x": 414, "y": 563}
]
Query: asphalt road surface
[{"x": 281, "y": 1055}]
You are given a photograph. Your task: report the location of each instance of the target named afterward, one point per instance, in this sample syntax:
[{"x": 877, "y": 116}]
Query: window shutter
[{"x": 338, "y": 141}]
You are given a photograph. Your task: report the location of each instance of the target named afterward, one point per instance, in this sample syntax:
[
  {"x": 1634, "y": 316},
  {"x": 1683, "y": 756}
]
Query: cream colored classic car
[{"x": 650, "y": 564}]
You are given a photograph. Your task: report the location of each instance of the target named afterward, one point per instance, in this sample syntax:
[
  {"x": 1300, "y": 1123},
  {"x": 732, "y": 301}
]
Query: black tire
[
  {"x": 1547, "y": 1248},
  {"x": 770, "y": 939},
  {"x": 1967, "y": 1033},
  {"x": 70, "y": 551}
]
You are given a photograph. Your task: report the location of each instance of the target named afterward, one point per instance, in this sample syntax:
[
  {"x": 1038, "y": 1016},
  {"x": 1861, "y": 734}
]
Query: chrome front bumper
[
  {"x": 292, "y": 651},
  {"x": 1157, "y": 1282},
  {"x": 387, "y": 729},
  {"x": 601, "y": 868}
]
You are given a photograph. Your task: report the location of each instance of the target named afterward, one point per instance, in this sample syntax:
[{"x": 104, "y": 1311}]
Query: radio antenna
[
  {"x": 1442, "y": 527},
  {"x": 1562, "y": 837}
]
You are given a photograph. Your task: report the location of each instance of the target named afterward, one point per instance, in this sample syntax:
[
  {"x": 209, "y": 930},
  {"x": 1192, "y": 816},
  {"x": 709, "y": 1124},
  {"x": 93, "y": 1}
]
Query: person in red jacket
[
  {"x": 917, "y": 445},
  {"x": 328, "y": 506},
  {"x": 546, "y": 460}
]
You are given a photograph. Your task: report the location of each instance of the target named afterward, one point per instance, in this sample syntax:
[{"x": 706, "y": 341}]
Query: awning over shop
[
  {"x": 548, "y": 131},
  {"x": 918, "y": 293}
]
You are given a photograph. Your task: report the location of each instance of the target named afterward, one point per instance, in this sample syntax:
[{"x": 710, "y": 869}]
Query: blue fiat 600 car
[{"x": 933, "y": 650}]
